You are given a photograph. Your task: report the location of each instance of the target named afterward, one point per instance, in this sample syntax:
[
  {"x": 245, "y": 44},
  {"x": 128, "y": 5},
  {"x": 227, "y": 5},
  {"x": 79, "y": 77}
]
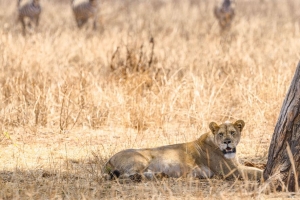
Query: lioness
[{"x": 214, "y": 153}]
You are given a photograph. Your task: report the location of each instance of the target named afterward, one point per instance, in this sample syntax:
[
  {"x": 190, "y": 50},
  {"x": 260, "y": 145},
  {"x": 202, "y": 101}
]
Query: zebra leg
[
  {"x": 23, "y": 25},
  {"x": 95, "y": 24},
  {"x": 81, "y": 22},
  {"x": 78, "y": 21},
  {"x": 37, "y": 20},
  {"x": 29, "y": 23}
]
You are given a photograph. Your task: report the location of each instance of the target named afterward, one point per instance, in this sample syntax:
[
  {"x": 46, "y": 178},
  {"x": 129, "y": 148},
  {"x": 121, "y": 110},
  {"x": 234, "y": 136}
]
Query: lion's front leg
[{"x": 251, "y": 173}]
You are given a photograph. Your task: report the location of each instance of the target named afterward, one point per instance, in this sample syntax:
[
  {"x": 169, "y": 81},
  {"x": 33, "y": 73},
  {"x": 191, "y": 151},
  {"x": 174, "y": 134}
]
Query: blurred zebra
[
  {"x": 84, "y": 11},
  {"x": 224, "y": 14},
  {"x": 31, "y": 10}
]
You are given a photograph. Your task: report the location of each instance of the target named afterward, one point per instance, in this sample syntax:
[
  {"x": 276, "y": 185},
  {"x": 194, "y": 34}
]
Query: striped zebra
[
  {"x": 84, "y": 11},
  {"x": 224, "y": 14},
  {"x": 31, "y": 10}
]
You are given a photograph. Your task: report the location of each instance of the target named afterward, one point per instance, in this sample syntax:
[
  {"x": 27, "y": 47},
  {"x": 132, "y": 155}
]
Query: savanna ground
[{"x": 153, "y": 73}]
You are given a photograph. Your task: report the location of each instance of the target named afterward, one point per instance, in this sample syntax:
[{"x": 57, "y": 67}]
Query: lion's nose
[{"x": 227, "y": 141}]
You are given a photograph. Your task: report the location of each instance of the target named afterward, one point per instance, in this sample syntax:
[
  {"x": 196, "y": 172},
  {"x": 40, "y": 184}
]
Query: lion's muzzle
[{"x": 229, "y": 150}]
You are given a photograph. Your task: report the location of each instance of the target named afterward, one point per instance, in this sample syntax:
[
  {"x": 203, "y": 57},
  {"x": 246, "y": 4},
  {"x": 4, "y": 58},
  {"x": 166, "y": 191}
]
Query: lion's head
[{"x": 227, "y": 136}]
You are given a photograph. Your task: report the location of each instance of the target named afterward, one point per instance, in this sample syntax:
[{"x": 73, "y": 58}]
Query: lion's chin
[{"x": 229, "y": 155}]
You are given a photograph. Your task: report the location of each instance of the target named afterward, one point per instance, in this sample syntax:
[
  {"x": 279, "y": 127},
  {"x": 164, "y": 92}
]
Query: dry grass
[{"x": 70, "y": 98}]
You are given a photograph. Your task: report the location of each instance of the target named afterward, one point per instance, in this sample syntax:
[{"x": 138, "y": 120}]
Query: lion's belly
[
  {"x": 169, "y": 167},
  {"x": 175, "y": 169}
]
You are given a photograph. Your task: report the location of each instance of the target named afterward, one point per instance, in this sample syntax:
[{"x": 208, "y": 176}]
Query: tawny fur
[{"x": 212, "y": 154}]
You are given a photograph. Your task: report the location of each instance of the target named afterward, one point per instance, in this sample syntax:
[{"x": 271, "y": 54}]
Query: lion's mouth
[{"x": 229, "y": 150}]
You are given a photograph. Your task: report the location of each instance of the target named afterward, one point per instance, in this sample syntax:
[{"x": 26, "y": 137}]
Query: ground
[{"x": 153, "y": 73}]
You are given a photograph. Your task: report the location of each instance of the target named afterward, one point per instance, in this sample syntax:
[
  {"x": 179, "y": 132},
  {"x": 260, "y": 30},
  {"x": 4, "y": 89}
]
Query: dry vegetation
[{"x": 155, "y": 73}]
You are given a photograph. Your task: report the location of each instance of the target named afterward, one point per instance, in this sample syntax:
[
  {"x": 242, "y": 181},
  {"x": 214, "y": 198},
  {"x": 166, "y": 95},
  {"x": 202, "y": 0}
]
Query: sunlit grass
[{"x": 64, "y": 111}]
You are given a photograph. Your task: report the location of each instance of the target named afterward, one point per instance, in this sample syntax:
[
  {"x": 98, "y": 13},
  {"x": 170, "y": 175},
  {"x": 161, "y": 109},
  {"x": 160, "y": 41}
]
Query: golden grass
[{"x": 64, "y": 111}]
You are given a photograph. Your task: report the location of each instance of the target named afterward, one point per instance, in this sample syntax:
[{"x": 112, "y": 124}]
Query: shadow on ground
[{"x": 82, "y": 179}]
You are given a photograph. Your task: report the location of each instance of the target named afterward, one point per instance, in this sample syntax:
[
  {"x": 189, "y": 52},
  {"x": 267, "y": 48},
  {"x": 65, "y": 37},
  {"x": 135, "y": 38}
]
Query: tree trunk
[{"x": 284, "y": 151}]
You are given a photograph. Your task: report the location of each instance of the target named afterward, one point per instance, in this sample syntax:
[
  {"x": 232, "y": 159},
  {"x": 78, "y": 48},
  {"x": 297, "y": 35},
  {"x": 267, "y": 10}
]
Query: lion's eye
[
  {"x": 232, "y": 132},
  {"x": 221, "y": 134}
]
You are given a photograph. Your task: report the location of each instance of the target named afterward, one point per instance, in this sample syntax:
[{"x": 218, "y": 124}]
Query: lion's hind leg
[
  {"x": 139, "y": 177},
  {"x": 155, "y": 175},
  {"x": 128, "y": 164},
  {"x": 136, "y": 177},
  {"x": 117, "y": 175}
]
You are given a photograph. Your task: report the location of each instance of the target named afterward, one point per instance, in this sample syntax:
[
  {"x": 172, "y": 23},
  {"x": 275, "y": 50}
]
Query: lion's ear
[
  {"x": 213, "y": 126},
  {"x": 239, "y": 124}
]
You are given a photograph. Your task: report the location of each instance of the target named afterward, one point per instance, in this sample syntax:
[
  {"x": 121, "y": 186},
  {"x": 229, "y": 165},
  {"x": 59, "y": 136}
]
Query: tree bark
[{"x": 284, "y": 151}]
